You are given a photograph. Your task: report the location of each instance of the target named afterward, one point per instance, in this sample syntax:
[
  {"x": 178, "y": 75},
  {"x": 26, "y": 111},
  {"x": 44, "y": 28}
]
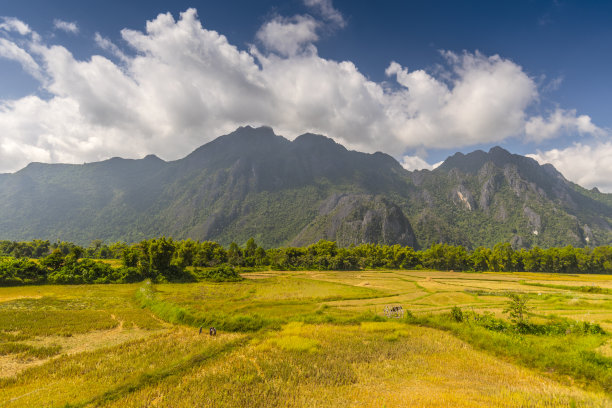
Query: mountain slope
[
  {"x": 252, "y": 182},
  {"x": 484, "y": 198}
]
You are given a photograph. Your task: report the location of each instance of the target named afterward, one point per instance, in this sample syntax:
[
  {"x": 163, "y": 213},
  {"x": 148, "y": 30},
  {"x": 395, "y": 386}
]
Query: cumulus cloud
[
  {"x": 288, "y": 36},
  {"x": 417, "y": 163},
  {"x": 588, "y": 166},
  {"x": 484, "y": 102},
  {"x": 67, "y": 26},
  {"x": 560, "y": 121},
  {"x": 13, "y": 24},
  {"x": 181, "y": 85},
  {"x": 327, "y": 11}
]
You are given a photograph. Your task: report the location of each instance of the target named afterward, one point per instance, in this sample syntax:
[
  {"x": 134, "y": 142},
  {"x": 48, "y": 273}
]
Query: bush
[
  {"x": 82, "y": 271},
  {"x": 517, "y": 309},
  {"x": 221, "y": 274},
  {"x": 20, "y": 272},
  {"x": 128, "y": 275},
  {"x": 456, "y": 314}
]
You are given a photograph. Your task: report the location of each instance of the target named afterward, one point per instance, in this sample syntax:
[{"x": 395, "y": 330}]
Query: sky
[{"x": 419, "y": 80}]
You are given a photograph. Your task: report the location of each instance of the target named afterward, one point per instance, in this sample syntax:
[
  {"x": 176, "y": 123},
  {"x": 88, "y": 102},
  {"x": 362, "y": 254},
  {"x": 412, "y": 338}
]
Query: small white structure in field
[{"x": 396, "y": 312}]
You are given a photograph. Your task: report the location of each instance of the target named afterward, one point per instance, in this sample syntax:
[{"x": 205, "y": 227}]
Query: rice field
[{"x": 299, "y": 339}]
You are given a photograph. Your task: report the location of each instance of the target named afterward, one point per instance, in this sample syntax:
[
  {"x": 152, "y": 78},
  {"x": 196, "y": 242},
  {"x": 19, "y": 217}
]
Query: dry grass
[
  {"x": 114, "y": 353},
  {"x": 95, "y": 377},
  {"x": 372, "y": 365}
]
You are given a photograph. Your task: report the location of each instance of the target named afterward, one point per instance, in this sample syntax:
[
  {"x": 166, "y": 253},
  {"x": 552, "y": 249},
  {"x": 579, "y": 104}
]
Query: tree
[
  {"x": 76, "y": 252},
  {"x": 568, "y": 262},
  {"x": 481, "y": 259},
  {"x": 502, "y": 257},
  {"x": 129, "y": 258},
  {"x": 324, "y": 248},
  {"x": 40, "y": 248},
  {"x": 251, "y": 247},
  {"x": 54, "y": 260},
  {"x": 185, "y": 253},
  {"x": 260, "y": 256},
  {"x": 234, "y": 254},
  {"x": 249, "y": 252},
  {"x": 602, "y": 259},
  {"x": 517, "y": 309},
  {"x": 533, "y": 259},
  {"x": 160, "y": 254},
  {"x": 209, "y": 253}
]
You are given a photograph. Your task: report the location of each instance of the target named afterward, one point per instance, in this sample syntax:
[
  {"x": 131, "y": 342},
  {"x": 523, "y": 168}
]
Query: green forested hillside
[
  {"x": 484, "y": 198},
  {"x": 253, "y": 183}
]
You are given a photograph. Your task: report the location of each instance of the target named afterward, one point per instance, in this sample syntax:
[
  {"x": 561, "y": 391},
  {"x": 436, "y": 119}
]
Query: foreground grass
[
  {"x": 371, "y": 365},
  {"x": 302, "y": 339},
  {"x": 98, "y": 377},
  {"x": 42, "y": 322},
  {"x": 572, "y": 358}
]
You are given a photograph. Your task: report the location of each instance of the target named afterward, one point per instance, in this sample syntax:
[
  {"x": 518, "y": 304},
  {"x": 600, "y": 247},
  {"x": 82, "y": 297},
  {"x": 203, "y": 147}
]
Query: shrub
[
  {"x": 22, "y": 271},
  {"x": 221, "y": 274},
  {"x": 456, "y": 314},
  {"x": 518, "y": 309}
]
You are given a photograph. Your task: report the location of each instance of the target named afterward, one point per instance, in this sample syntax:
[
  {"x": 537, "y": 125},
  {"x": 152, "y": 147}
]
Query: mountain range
[{"x": 254, "y": 183}]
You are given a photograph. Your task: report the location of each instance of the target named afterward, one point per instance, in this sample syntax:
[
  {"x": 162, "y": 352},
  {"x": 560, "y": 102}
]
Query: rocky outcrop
[
  {"x": 463, "y": 197},
  {"x": 534, "y": 220},
  {"x": 486, "y": 193},
  {"x": 587, "y": 233},
  {"x": 358, "y": 219}
]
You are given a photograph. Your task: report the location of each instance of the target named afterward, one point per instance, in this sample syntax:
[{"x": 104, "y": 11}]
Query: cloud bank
[
  {"x": 588, "y": 166},
  {"x": 179, "y": 85}
]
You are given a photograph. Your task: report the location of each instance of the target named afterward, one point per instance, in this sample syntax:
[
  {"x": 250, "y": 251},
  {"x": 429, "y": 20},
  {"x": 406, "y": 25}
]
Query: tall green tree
[
  {"x": 234, "y": 255},
  {"x": 160, "y": 254}
]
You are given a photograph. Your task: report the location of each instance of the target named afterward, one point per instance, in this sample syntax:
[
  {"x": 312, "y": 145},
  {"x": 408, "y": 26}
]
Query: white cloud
[
  {"x": 67, "y": 26},
  {"x": 13, "y": 24},
  {"x": 588, "y": 166},
  {"x": 109, "y": 46},
  {"x": 560, "y": 121},
  {"x": 12, "y": 51},
  {"x": 327, "y": 10},
  {"x": 288, "y": 36},
  {"x": 484, "y": 102},
  {"x": 183, "y": 85},
  {"x": 417, "y": 163}
]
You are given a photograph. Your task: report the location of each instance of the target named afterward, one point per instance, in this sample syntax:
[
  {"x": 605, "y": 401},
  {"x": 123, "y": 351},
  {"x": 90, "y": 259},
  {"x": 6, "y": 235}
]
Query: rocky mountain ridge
[{"x": 253, "y": 182}]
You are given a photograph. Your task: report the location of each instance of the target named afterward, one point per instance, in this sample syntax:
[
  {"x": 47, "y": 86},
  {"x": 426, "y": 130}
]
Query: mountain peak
[
  {"x": 312, "y": 140},
  {"x": 152, "y": 157},
  {"x": 473, "y": 162},
  {"x": 249, "y": 131},
  {"x": 468, "y": 163},
  {"x": 252, "y": 182},
  {"x": 498, "y": 150},
  {"x": 306, "y": 137}
]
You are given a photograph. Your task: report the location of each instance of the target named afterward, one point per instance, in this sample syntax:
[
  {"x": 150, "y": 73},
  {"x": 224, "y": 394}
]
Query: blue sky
[{"x": 417, "y": 80}]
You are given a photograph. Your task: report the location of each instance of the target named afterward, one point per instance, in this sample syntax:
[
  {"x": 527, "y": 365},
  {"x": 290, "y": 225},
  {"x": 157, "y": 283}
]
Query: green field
[{"x": 309, "y": 339}]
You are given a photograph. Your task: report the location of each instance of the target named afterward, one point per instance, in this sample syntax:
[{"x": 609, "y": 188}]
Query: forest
[{"x": 168, "y": 260}]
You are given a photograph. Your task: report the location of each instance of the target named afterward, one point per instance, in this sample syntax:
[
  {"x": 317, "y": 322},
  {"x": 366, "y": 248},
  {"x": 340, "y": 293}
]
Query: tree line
[
  {"x": 38, "y": 249},
  {"x": 165, "y": 259}
]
